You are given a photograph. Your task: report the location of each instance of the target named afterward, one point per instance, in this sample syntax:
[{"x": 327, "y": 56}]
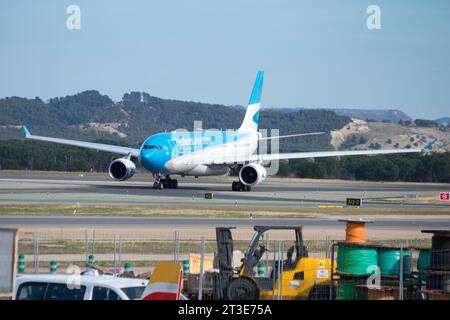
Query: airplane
[{"x": 206, "y": 152}]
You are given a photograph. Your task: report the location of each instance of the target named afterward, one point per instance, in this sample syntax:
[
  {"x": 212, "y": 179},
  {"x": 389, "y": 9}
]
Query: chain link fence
[
  {"x": 388, "y": 269},
  {"x": 112, "y": 251}
]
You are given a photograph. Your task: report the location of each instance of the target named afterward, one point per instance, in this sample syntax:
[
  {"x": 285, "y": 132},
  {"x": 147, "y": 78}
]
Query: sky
[{"x": 314, "y": 53}]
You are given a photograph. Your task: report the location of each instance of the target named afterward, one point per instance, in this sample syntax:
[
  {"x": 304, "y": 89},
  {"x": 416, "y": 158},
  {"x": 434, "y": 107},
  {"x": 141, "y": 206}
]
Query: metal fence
[
  {"x": 412, "y": 270},
  {"x": 359, "y": 272},
  {"x": 112, "y": 251}
]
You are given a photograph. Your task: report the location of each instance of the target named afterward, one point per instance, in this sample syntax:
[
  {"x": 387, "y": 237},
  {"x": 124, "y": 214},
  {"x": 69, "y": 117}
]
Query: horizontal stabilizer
[
  {"x": 429, "y": 145},
  {"x": 293, "y": 135}
]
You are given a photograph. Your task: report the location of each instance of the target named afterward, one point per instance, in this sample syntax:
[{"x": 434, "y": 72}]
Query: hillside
[
  {"x": 443, "y": 121},
  {"x": 360, "y": 134},
  {"x": 391, "y": 115},
  {"x": 90, "y": 115}
]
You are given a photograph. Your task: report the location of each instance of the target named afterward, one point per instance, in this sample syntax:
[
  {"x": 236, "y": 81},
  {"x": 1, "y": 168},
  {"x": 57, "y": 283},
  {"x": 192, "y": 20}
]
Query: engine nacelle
[
  {"x": 122, "y": 169},
  {"x": 252, "y": 174}
]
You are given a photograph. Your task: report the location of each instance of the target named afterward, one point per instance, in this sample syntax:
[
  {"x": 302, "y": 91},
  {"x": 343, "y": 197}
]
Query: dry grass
[{"x": 205, "y": 211}]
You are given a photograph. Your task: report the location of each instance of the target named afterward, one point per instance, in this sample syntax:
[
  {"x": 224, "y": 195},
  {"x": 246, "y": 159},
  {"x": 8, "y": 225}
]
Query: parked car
[{"x": 70, "y": 287}]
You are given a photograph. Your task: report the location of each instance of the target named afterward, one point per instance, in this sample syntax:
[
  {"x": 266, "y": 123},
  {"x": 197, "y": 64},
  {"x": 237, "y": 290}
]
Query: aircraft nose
[
  {"x": 152, "y": 160},
  {"x": 148, "y": 155}
]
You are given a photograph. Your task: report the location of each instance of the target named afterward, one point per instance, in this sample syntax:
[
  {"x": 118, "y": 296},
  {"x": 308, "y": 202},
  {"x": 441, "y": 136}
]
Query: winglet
[
  {"x": 429, "y": 145},
  {"x": 26, "y": 132}
]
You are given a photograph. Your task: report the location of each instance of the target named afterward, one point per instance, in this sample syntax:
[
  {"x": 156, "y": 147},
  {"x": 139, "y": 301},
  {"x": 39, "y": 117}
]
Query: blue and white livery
[{"x": 206, "y": 153}]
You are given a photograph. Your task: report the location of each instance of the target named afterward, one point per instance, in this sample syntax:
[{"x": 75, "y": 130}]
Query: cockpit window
[{"x": 152, "y": 147}]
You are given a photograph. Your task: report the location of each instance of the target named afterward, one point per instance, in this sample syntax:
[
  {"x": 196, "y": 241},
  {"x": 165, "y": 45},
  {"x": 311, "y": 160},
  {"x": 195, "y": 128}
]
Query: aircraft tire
[
  {"x": 157, "y": 186},
  {"x": 172, "y": 184},
  {"x": 239, "y": 186}
]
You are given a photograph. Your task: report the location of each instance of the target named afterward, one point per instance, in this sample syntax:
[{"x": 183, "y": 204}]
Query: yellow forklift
[{"x": 294, "y": 275}]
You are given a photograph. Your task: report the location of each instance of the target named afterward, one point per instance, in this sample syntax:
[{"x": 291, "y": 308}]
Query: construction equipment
[{"x": 293, "y": 276}]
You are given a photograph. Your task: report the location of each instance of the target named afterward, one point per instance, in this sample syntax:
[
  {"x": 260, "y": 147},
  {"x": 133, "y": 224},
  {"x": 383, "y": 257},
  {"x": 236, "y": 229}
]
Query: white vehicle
[{"x": 72, "y": 287}]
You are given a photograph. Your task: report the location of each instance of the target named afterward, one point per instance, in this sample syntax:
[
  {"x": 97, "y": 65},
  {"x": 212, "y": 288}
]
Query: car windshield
[{"x": 134, "y": 293}]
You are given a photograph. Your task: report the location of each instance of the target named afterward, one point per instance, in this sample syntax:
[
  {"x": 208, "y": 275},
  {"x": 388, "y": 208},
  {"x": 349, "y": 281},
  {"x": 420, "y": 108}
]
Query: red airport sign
[{"x": 444, "y": 196}]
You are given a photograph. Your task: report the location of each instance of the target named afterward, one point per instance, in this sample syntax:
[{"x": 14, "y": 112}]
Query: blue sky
[{"x": 314, "y": 53}]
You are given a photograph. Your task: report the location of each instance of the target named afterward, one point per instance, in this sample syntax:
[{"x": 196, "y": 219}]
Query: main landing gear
[
  {"x": 165, "y": 183},
  {"x": 239, "y": 186}
]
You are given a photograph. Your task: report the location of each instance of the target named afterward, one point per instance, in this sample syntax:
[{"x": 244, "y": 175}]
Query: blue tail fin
[{"x": 251, "y": 118}]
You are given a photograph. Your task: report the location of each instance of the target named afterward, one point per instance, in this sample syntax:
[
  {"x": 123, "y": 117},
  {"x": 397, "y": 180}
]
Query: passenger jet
[{"x": 206, "y": 152}]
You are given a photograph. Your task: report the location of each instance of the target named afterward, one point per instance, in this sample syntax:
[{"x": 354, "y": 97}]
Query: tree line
[
  {"x": 139, "y": 115},
  {"x": 435, "y": 167}
]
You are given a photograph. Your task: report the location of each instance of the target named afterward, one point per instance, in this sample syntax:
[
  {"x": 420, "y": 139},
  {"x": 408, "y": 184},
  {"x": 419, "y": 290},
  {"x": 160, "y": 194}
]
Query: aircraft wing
[
  {"x": 301, "y": 155},
  {"x": 293, "y": 135},
  {"x": 83, "y": 144}
]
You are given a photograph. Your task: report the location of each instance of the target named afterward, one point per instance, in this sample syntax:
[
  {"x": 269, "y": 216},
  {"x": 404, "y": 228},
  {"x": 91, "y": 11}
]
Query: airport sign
[
  {"x": 444, "y": 196},
  {"x": 353, "y": 202},
  {"x": 208, "y": 195}
]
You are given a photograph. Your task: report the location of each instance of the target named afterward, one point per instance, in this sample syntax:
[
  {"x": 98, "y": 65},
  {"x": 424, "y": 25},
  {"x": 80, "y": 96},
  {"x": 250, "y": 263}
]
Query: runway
[
  {"x": 92, "y": 189},
  {"x": 163, "y": 228},
  {"x": 210, "y": 222}
]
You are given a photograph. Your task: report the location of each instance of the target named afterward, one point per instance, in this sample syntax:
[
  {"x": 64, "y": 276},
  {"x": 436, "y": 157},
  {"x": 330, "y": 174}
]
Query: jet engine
[
  {"x": 252, "y": 174},
  {"x": 122, "y": 169}
]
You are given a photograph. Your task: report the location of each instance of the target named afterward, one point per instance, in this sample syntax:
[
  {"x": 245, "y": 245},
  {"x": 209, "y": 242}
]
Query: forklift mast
[
  {"x": 224, "y": 249},
  {"x": 224, "y": 241},
  {"x": 251, "y": 260}
]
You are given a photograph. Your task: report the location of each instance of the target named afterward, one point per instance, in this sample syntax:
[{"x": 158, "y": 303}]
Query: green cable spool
[
  {"x": 127, "y": 266},
  {"x": 185, "y": 268},
  {"x": 423, "y": 263},
  {"x": 21, "y": 263},
  {"x": 91, "y": 259},
  {"x": 346, "y": 290},
  {"x": 261, "y": 270},
  {"x": 389, "y": 261},
  {"x": 53, "y": 266},
  {"x": 355, "y": 260}
]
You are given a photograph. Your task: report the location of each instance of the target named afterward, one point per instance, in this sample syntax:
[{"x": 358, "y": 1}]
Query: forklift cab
[{"x": 255, "y": 251}]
